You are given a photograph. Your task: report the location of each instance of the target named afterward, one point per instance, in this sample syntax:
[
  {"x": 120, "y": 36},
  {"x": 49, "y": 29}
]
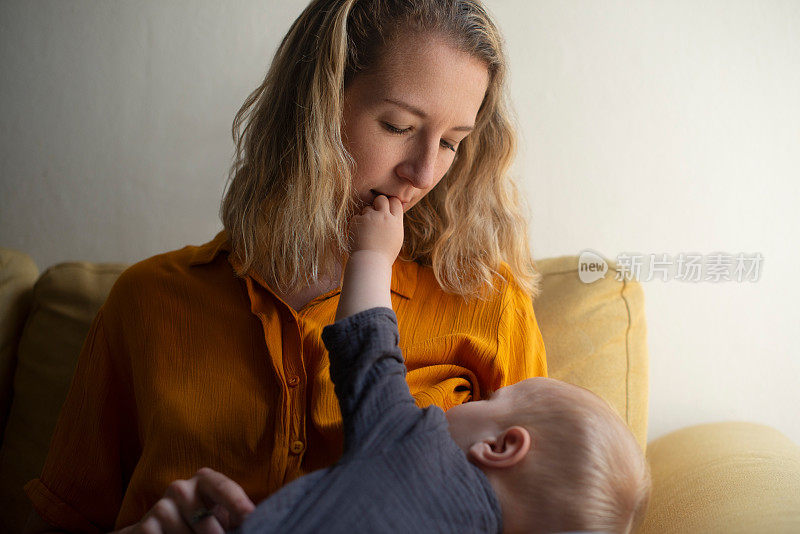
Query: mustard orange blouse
[{"x": 187, "y": 365}]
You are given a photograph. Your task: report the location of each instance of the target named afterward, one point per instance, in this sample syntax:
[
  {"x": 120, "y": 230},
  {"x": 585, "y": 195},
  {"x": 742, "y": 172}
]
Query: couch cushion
[
  {"x": 65, "y": 300},
  {"x": 18, "y": 273},
  {"x": 727, "y": 477},
  {"x": 595, "y": 336}
]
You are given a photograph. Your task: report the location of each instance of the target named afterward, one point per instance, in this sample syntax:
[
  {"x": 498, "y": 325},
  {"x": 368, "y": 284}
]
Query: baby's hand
[
  {"x": 377, "y": 237},
  {"x": 379, "y": 227}
]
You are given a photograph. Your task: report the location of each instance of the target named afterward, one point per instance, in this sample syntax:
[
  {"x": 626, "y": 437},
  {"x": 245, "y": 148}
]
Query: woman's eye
[
  {"x": 395, "y": 130},
  {"x": 399, "y": 131}
]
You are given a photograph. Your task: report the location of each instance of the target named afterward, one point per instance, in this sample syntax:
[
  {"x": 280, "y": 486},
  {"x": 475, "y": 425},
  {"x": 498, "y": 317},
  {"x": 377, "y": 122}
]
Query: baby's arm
[
  {"x": 377, "y": 234},
  {"x": 366, "y": 364}
]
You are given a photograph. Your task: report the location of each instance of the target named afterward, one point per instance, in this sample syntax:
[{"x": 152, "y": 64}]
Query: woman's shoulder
[
  {"x": 151, "y": 270},
  {"x": 501, "y": 323},
  {"x": 512, "y": 286},
  {"x": 504, "y": 284},
  {"x": 430, "y": 303},
  {"x": 162, "y": 275}
]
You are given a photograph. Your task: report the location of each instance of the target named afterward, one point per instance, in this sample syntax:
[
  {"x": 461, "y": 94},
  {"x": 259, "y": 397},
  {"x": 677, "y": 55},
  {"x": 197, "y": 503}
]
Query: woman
[{"x": 207, "y": 361}]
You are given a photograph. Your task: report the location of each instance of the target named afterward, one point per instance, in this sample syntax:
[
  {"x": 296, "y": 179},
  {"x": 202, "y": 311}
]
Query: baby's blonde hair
[
  {"x": 290, "y": 191},
  {"x": 585, "y": 472}
]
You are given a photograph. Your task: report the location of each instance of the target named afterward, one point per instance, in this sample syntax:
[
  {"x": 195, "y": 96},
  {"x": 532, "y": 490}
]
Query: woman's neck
[{"x": 329, "y": 281}]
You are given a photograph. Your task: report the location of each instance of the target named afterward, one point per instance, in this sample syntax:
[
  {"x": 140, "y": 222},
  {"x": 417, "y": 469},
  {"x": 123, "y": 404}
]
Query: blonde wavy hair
[{"x": 290, "y": 194}]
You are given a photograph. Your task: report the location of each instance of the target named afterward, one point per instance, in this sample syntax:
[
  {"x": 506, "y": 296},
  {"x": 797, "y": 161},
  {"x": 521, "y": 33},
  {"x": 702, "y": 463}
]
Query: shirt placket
[
  {"x": 286, "y": 351},
  {"x": 295, "y": 384}
]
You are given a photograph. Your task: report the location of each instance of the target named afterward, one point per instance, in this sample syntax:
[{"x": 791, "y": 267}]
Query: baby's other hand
[{"x": 379, "y": 227}]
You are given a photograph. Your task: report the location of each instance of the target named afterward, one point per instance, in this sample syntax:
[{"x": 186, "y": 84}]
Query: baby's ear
[{"x": 505, "y": 450}]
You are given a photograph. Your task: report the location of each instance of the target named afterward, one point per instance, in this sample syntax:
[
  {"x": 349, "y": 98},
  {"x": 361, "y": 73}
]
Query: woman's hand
[
  {"x": 379, "y": 228},
  {"x": 207, "y": 503}
]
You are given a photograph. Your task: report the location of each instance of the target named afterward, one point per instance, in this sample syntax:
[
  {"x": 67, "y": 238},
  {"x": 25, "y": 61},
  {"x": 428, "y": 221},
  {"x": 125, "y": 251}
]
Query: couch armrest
[
  {"x": 724, "y": 477},
  {"x": 66, "y": 298},
  {"x": 18, "y": 273}
]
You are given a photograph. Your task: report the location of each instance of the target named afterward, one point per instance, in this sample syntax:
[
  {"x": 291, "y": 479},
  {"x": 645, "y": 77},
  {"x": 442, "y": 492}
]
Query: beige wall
[{"x": 649, "y": 127}]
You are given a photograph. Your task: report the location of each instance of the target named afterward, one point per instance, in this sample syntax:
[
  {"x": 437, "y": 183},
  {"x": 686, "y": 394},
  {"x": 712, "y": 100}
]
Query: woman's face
[{"x": 403, "y": 122}]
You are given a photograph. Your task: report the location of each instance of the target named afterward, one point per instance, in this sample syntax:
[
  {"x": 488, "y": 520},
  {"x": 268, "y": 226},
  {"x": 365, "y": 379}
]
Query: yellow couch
[{"x": 723, "y": 477}]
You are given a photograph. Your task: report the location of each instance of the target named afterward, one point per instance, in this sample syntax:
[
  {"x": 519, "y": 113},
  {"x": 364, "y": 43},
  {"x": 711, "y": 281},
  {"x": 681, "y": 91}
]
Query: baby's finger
[
  {"x": 381, "y": 203},
  {"x": 395, "y": 206}
]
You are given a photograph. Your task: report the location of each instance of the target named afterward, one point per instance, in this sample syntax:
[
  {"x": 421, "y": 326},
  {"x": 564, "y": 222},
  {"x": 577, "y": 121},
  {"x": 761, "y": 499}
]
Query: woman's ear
[{"x": 505, "y": 450}]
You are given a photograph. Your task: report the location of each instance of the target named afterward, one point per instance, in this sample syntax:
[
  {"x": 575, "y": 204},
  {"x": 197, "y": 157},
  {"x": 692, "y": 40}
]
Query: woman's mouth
[{"x": 377, "y": 193}]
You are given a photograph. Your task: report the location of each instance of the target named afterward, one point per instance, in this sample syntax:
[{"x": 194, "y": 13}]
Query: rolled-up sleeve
[{"x": 81, "y": 485}]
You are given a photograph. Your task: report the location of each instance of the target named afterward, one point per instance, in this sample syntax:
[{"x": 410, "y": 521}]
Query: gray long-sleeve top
[{"x": 400, "y": 471}]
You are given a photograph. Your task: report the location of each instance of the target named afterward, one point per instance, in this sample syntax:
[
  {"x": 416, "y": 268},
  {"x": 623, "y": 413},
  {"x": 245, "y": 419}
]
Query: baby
[{"x": 538, "y": 456}]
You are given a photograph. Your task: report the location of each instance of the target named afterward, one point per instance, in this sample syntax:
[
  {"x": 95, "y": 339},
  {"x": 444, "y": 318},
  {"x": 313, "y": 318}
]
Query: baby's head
[{"x": 558, "y": 457}]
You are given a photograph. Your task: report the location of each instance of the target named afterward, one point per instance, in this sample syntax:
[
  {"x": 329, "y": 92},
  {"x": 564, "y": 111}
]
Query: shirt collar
[
  {"x": 404, "y": 277},
  {"x": 404, "y": 273}
]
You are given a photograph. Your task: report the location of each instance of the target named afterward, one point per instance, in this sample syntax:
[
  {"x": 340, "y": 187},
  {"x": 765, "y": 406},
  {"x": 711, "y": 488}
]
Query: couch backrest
[{"x": 594, "y": 336}]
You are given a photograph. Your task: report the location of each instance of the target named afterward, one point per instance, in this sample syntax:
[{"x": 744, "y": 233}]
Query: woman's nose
[{"x": 419, "y": 168}]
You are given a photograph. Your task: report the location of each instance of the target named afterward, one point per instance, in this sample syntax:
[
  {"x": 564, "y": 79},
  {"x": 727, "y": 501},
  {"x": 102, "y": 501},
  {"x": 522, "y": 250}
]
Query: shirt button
[
  {"x": 293, "y": 381},
  {"x": 297, "y": 447}
]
